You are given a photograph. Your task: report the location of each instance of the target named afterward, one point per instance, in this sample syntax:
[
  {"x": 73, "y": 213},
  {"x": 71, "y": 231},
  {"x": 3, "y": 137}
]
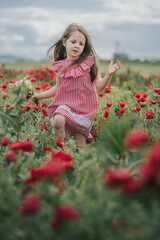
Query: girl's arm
[
  {"x": 49, "y": 93},
  {"x": 100, "y": 82}
]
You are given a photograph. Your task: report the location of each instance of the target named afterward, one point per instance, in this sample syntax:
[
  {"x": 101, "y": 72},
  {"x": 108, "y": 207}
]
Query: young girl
[{"x": 75, "y": 105}]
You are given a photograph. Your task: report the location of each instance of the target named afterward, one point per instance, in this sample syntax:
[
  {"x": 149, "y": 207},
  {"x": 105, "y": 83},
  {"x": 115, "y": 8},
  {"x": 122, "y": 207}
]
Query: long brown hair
[{"x": 60, "y": 50}]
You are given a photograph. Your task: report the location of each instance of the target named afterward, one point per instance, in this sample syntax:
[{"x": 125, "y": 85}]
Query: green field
[{"x": 144, "y": 68}]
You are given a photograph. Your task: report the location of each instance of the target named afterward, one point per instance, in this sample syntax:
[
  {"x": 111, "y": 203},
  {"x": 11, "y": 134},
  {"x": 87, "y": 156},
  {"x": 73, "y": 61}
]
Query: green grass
[{"x": 144, "y": 68}]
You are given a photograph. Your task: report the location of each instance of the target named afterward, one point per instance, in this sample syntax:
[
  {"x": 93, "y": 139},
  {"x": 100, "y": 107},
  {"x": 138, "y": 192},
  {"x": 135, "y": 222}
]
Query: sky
[{"x": 29, "y": 28}]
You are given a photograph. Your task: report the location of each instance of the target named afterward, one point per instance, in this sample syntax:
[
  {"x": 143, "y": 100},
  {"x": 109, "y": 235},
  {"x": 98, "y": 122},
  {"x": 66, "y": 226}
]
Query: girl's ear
[{"x": 64, "y": 42}]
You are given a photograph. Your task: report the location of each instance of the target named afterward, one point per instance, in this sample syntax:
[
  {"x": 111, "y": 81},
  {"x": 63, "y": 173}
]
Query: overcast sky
[{"x": 28, "y": 28}]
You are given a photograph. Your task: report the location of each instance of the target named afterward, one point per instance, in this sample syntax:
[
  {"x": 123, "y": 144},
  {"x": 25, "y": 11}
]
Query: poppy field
[{"x": 110, "y": 190}]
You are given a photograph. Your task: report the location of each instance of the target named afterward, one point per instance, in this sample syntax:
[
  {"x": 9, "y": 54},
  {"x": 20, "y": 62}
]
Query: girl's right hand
[{"x": 35, "y": 96}]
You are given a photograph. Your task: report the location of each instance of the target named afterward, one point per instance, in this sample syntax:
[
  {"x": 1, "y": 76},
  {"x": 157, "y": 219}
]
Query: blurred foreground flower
[
  {"x": 136, "y": 138},
  {"x": 30, "y": 206},
  {"x": 51, "y": 169},
  {"x": 63, "y": 214}
]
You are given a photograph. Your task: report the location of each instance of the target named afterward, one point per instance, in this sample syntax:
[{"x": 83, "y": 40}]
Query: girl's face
[{"x": 74, "y": 45}]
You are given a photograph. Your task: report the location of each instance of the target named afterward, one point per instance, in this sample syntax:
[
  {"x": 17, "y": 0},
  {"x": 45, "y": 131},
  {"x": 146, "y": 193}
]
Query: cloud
[
  {"x": 30, "y": 31},
  {"x": 137, "y": 11}
]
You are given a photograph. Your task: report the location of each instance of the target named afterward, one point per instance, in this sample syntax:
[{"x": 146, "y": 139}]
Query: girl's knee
[{"x": 58, "y": 121}]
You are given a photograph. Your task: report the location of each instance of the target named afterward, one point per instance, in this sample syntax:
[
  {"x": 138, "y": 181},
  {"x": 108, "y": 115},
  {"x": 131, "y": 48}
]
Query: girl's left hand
[{"x": 113, "y": 68}]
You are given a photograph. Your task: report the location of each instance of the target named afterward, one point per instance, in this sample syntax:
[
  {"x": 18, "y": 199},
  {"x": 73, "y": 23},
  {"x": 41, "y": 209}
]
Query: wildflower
[
  {"x": 7, "y": 105},
  {"x": 149, "y": 115},
  {"x": 138, "y": 95},
  {"x": 107, "y": 90},
  {"x": 11, "y": 156},
  {"x": 143, "y": 99},
  {"x": 49, "y": 170},
  {"x": 151, "y": 167},
  {"x": 30, "y": 206},
  {"x": 89, "y": 140},
  {"x": 157, "y": 90},
  {"x": 16, "y": 146},
  {"x": 143, "y": 105},
  {"x": 44, "y": 126},
  {"x": 100, "y": 94},
  {"x": 136, "y": 138},
  {"x": 5, "y": 96},
  {"x": 117, "y": 177},
  {"x": 23, "y": 146},
  {"x": 145, "y": 94},
  {"x": 4, "y": 142},
  {"x": 43, "y": 104},
  {"x": 121, "y": 111},
  {"x": 36, "y": 109},
  {"x": 94, "y": 134},
  {"x": 153, "y": 102},
  {"x": 138, "y": 109},
  {"x": 109, "y": 104},
  {"x": 45, "y": 113},
  {"x": 64, "y": 214},
  {"x": 47, "y": 149},
  {"x": 132, "y": 186},
  {"x": 27, "y": 146},
  {"x": 60, "y": 142},
  {"x": 122, "y": 104},
  {"x": 106, "y": 113}
]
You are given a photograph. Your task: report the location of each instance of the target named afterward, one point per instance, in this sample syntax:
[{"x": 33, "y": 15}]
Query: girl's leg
[
  {"x": 59, "y": 126},
  {"x": 80, "y": 140}
]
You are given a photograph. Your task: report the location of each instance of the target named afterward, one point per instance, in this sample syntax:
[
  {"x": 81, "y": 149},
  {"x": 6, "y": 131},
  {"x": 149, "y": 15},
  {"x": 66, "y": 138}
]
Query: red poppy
[
  {"x": 63, "y": 214},
  {"x": 27, "y": 146},
  {"x": 7, "y": 105},
  {"x": 100, "y": 94},
  {"x": 143, "y": 105},
  {"x": 35, "y": 108},
  {"x": 43, "y": 104},
  {"x": 11, "y": 156},
  {"x": 149, "y": 115},
  {"x": 145, "y": 94},
  {"x": 138, "y": 109},
  {"x": 5, "y": 142},
  {"x": 16, "y": 146},
  {"x": 60, "y": 142},
  {"x": 5, "y": 96},
  {"x": 153, "y": 102},
  {"x": 107, "y": 90},
  {"x": 62, "y": 156},
  {"x": 122, "y": 104},
  {"x": 157, "y": 90},
  {"x": 151, "y": 167},
  {"x": 109, "y": 104},
  {"x": 106, "y": 113},
  {"x": 45, "y": 113},
  {"x": 117, "y": 177},
  {"x": 143, "y": 99},
  {"x": 138, "y": 95},
  {"x": 47, "y": 149},
  {"x": 94, "y": 134},
  {"x": 49, "y": 170},
  {"x": 44, "y": 126},
  {"x": 136, "y": 138},
  {"x": 132, "y": 186},
  {"x": 121, "y": 111},
  {"x": 30, "y": 206}
]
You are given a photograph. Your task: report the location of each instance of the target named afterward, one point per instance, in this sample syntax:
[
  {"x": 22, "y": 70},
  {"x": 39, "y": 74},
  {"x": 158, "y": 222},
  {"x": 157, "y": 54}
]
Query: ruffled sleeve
[{"x": 74, "y": 72}]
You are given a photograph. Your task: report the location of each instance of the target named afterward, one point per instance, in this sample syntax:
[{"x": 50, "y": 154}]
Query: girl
[{"x": 75, "y": 104}]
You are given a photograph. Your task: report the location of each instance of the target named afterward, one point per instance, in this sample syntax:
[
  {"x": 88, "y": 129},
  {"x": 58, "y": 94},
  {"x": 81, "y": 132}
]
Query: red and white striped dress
[{"x": 76, "y": 97}]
